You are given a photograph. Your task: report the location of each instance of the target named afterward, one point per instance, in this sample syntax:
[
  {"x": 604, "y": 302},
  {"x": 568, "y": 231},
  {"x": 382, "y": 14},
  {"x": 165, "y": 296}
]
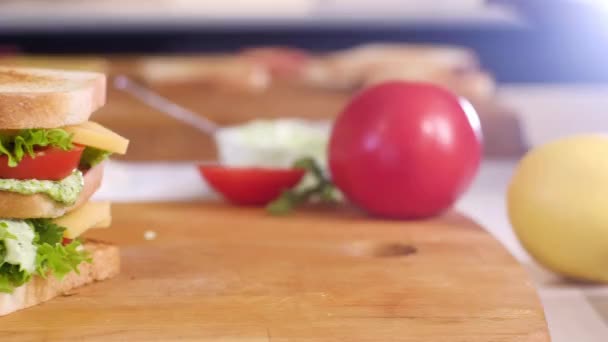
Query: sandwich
[{"x": 51, "y": 163}]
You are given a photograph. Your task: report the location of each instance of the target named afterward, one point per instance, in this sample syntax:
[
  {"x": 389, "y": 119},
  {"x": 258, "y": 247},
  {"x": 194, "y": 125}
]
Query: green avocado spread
[{"x": 65, "y": 191}]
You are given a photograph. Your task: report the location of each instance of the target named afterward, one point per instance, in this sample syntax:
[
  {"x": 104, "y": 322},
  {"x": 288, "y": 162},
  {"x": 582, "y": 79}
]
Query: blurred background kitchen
[
  {"x": 535, "y": 71},
  {"x": 517, "y": 40},
  {"x": 545, "y": 45}
]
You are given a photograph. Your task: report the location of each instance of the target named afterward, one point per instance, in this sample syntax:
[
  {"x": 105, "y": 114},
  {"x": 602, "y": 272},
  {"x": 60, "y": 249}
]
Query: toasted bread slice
[
  {"x": 41, "y": 98},
  {"x": 18, "y": 206},
  {"x": 106, "y": 264}
]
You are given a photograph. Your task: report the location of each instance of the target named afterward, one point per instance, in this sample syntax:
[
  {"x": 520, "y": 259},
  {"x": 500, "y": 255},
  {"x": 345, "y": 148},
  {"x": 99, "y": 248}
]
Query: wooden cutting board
[{"x": 219, "y": 273}]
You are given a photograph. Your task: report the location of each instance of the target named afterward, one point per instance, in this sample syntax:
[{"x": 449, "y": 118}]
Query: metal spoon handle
[{"x": 165, "y": 105}]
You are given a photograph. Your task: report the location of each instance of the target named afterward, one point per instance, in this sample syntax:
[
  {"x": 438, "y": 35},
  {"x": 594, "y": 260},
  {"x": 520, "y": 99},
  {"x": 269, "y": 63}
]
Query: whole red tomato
[{"x": 405, "y": 150}]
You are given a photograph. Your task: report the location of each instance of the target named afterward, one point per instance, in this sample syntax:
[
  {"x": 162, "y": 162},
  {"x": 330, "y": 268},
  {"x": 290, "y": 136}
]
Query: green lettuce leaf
[
  {"x": 52, "y": 257},
  {"x": 46, "y": 231},
  {"x": 92, "y": 156},
  {"x": 12, "y": 276},
  {"x": 16, "y": 146},
  {"x": 4, "y": 234},
  {"x": 60, "y": 260}
]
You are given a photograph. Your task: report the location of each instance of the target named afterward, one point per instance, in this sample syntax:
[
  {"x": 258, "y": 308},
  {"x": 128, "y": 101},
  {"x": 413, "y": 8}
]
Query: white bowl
[{"x": 273, "y": 143}]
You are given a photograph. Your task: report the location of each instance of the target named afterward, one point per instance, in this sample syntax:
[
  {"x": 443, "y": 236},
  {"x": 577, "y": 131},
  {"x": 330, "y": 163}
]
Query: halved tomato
[
  {"x": 250, "y": 186},
  {"x": 49, "y": 163}
]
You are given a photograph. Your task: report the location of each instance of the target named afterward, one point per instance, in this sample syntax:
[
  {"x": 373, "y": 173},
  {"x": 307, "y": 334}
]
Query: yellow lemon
[{"x": 558, "y": 206}]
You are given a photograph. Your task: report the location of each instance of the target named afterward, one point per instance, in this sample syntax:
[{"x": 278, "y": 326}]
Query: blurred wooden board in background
[
  {"x": 155, "y": 136},
  {"x": 217, "y": 272}
]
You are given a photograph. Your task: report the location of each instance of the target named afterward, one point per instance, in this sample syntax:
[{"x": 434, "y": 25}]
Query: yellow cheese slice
[
  {"x": 89, "y": 215},
  {"x": 95, "y": 135}
]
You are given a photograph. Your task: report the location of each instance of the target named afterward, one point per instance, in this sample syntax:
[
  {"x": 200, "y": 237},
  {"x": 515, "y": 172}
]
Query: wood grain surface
[{"x": 219, "y": 273}]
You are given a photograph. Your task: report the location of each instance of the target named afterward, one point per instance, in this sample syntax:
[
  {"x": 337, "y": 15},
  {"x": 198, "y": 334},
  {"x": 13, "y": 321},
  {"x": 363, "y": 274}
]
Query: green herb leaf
[
  {"x": 282, "y": 205},
  {"x": 92, "y": 156},
  {"x": 322, "y": 190},
  {"x": 25, "y": 141}
]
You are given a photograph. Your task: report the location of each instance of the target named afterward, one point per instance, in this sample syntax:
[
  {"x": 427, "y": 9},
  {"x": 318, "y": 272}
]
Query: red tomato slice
[
  {"x": 49, "y": 163},
  {"x": 66, "y": 241},
  {"x": 250, "y": 186}
]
